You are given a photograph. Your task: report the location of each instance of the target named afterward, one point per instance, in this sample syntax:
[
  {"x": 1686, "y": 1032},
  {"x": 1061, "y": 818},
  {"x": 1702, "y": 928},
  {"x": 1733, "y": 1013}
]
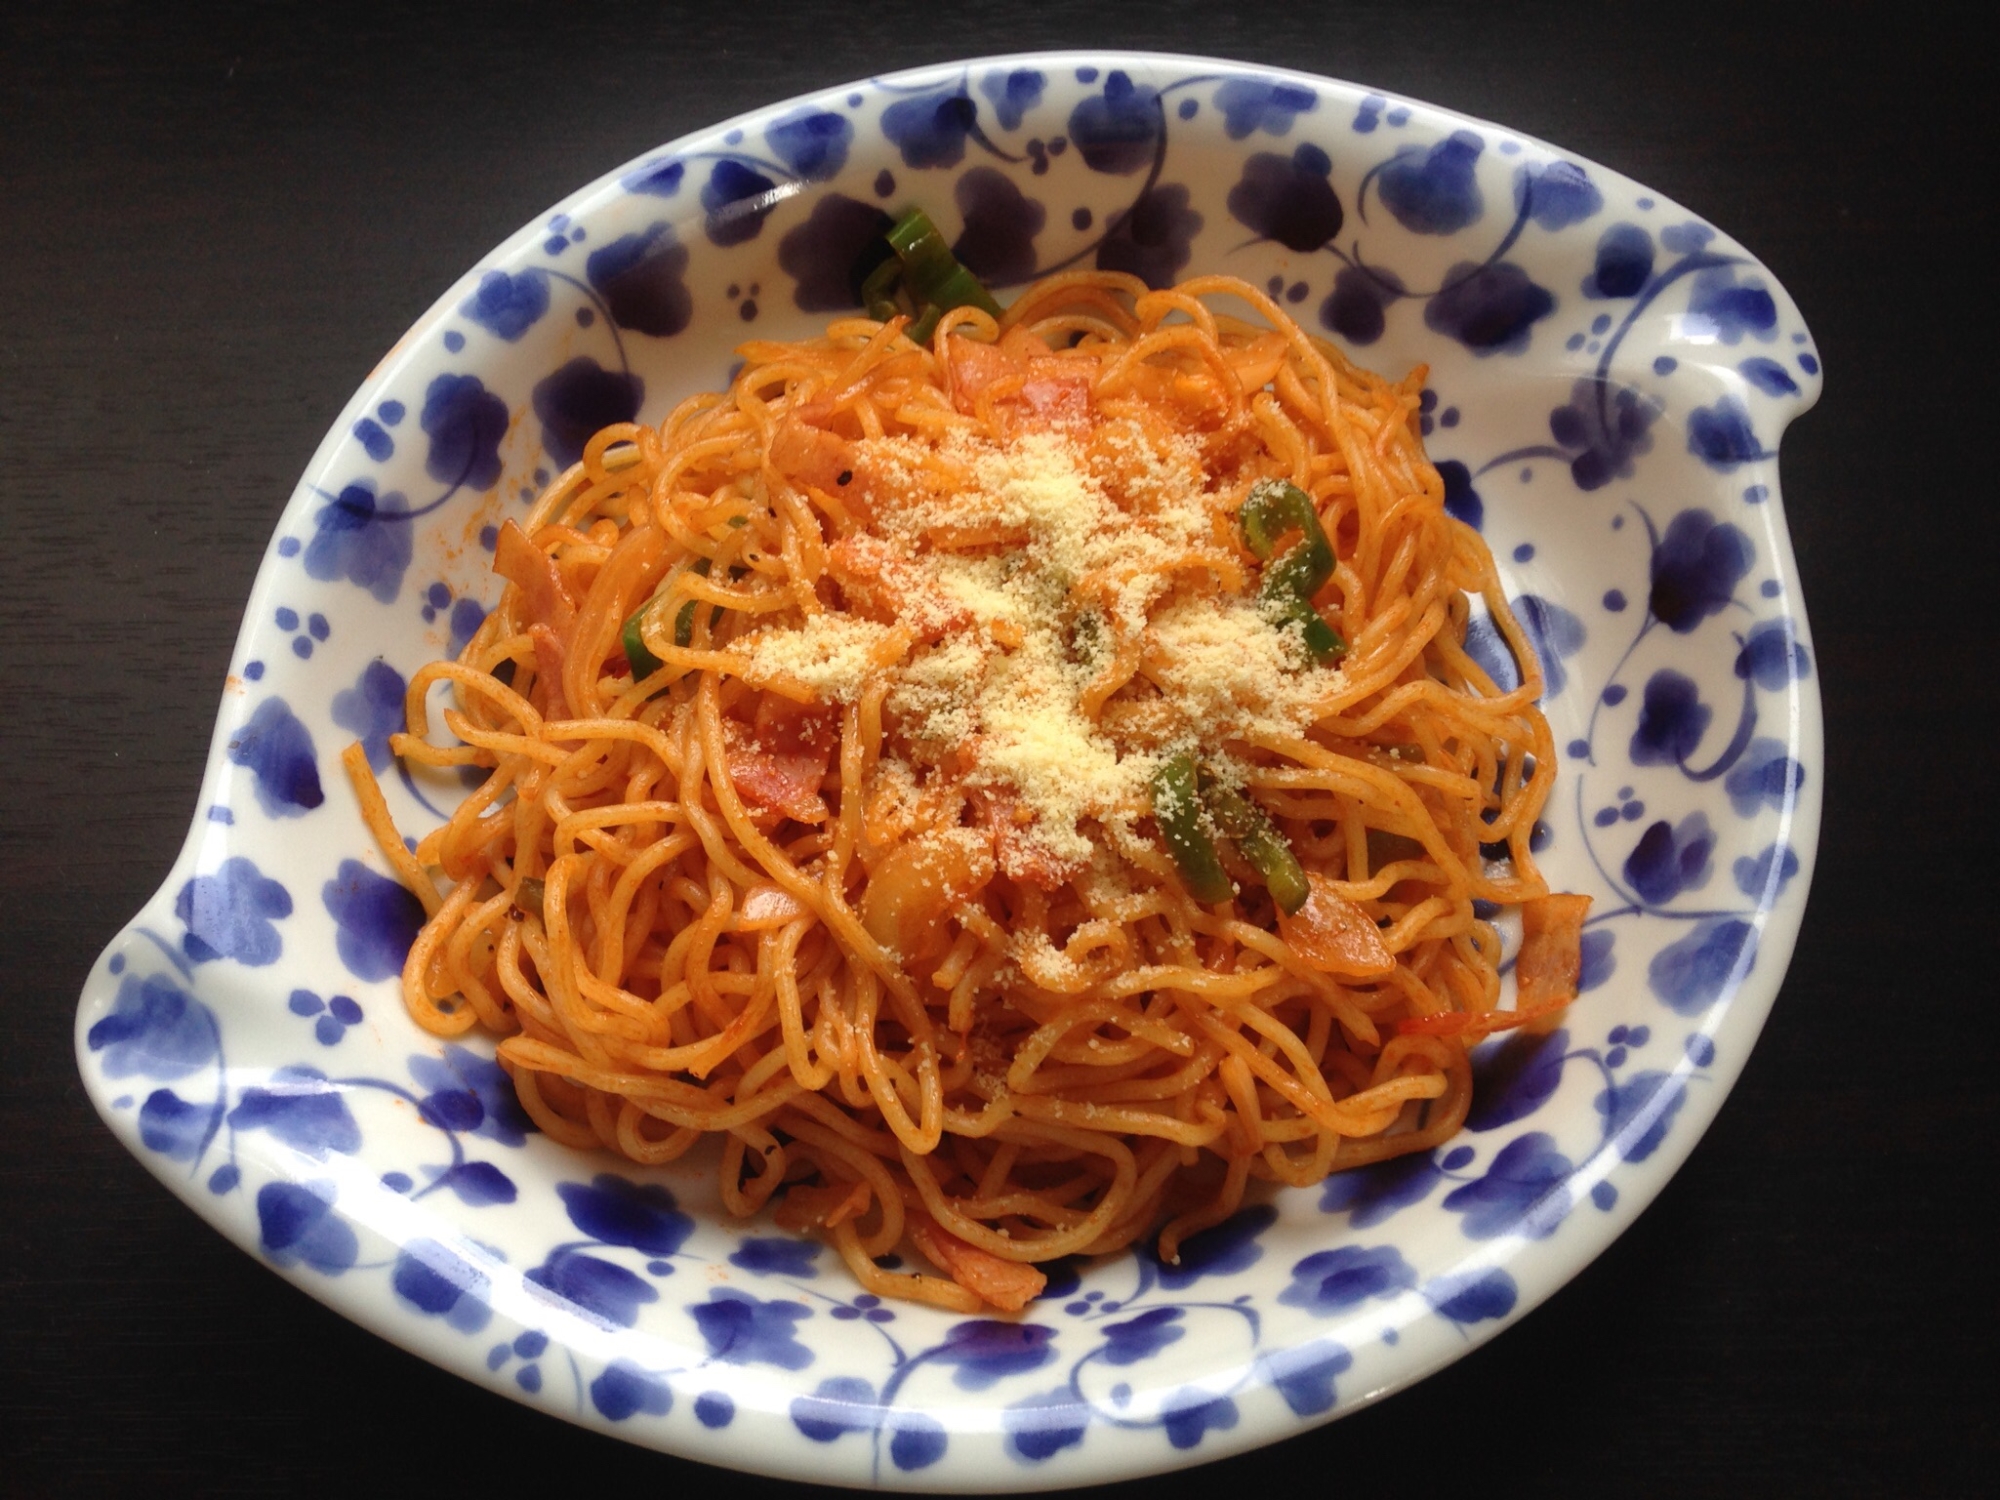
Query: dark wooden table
[{"x": 213, "y": 221}]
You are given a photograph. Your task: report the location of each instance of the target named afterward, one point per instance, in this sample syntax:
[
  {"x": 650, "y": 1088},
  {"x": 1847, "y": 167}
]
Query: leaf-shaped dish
[{"x": 1609, "y": 377}]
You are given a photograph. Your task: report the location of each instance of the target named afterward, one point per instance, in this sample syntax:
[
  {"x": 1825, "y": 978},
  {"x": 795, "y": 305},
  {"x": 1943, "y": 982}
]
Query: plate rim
[{"x": 1539, "y": 1276}]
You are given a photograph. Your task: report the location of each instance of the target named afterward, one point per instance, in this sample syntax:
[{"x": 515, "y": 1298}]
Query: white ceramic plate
[{"x": 1610, "y": 377}]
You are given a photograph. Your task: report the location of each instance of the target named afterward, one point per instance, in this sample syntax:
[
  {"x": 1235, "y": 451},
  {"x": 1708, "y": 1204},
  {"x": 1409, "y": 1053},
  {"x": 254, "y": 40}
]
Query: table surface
[{"x": 1803, "y": 1309}]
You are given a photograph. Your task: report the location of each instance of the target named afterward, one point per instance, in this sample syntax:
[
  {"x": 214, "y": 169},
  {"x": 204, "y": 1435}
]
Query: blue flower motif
[
  {"x": 1606, "y": 427},
  {"x": 377, "y": 920},
  {"x": 1624, "y": 263},
  {"x": 296, "y": 1225},
  {"x": 1331, "y": 1281},
  {"x": 1768, "y": 874},
  {"x": 1555, "y": 634},
  {"x": 301, "y": 1108},
  {"x": 278, "y": 752},
  {"x": 1118, "y": 130},
  {"x": 832, "y": 252},
  {"x": 839, "y": 1404},
  {"x": 1434, "y": 191},
  {"x": 1512, "y": 1079},
  {"x": 985, "y": 1350},
  {"x": 1668, "y": 860},
  {"x": 497, "y": 1112},
  {"x": 741, "y": 1330},
  {"x": 1221, "y": 1250},
  {"x": 658, "y": 178},
  {"x": 623, "y": 1390},
  {"x": 362, "y": 538},
  {"x": 1638, "y": 1112},
  {"x": 1598, "y": 962},
  {"x": 438, "y": 1281},
  {"x": 915, "y": 1440},
  {"x": 1154, "y": 238},
  {"x": 1765, "y": 775},
  {"x": 1043, "y": 1425},
  {"x": 1012, "y": 94},
  {"x": 1474, "y": 1296},
  {"x": 1522, "y": 1192},
  {"x": 776, "y": 1257},
  {"x": 479, "y": 1183},
  {"x": 155, "y": 1030},
  {"x": 1373, "y": 1193},
  {"x": 738, "y": 199},
  {"x": 639, "y": 1216},
  {"x": 1720, "y": 308},
  {"x": 1672, "y": 720},
  {"x": 451, "y": 1109},
  {"x": 998, "y": 240},
  {"x": 930, "y": 129},
  {"x": 1289, "y": 199},
  {"x": 1555, "y": 196},
  {"x": 1490, "y": 309},
  {"x": 1304, "y": 1376},
  {"x": 177, "y": 1129},
  {"x": 334, "y": 1016},
  {"x": 1692, "y": 974},
  {"x": 607, "y": 1294},
  {"x": 1686, "y": 239},
  {"x": 465, "y": 423},
  {"x": 1696, "y": 568},
  {"x": 642, "y": 278},
  {"x": 1552, "y": 630},
  {"x": 467, "y": 615},
  {"x": 1461, "y": 500},
  {"x": 1768, "y": 376},
  {"x": 867, "y": 1305},
  {"x": 1252, "y": 104},
  {"x": 374, "y": 439},
  {"x": 1773, "y": 655},
  {"x": 1357, "y": 307},
  {"x": 812, "y": 142},
  {"x": 1142, "y": 1337},
  {"x": 583, "y": 398},
  {"x": 508, "y": 306},
  {"x": 372, "y": 710},
  {"x": 1721, "y": 435},
  {"x": 228, "y": 914},
  {"x": 1188, "y": 1416}
]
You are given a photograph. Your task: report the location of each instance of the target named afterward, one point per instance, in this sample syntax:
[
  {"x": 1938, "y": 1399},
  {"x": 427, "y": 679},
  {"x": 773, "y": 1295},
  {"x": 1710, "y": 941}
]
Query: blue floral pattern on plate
[{"x": 1609, "y": 379}]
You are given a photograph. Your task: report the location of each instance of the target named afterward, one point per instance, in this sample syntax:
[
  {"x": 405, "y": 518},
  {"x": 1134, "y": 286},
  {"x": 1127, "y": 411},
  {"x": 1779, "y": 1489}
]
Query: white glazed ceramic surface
[{"x": 1609, "y": 378}]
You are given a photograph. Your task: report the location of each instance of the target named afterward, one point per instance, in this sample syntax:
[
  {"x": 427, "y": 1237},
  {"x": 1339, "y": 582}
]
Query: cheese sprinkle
[{"x": 1090, "y": 551}]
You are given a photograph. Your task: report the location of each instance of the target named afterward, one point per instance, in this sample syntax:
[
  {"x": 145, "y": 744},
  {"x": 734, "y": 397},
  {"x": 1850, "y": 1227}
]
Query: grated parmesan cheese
[
  {"x": 1232, "y": 673},
  {"x": 831, "y": 654},
  {"x": 1072, "y": 542}
]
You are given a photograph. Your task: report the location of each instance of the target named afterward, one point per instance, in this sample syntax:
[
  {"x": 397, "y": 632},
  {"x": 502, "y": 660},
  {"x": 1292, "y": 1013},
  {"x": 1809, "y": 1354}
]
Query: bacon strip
[
  {"x": 1551, "y": 961},
  {"x": 1546, "y": 973},
  {"x": 520, "y": 561},
  {"x": 1009, "y": 1285},
  {"x": 1050, "y": 390},
  {"x": 784, "y": 781},
  {"x": 550, "y": 655}
]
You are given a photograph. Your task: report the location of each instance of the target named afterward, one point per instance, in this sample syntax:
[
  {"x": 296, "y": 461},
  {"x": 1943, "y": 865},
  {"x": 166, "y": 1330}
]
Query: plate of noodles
[{"x": 1001, "y": 778}]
